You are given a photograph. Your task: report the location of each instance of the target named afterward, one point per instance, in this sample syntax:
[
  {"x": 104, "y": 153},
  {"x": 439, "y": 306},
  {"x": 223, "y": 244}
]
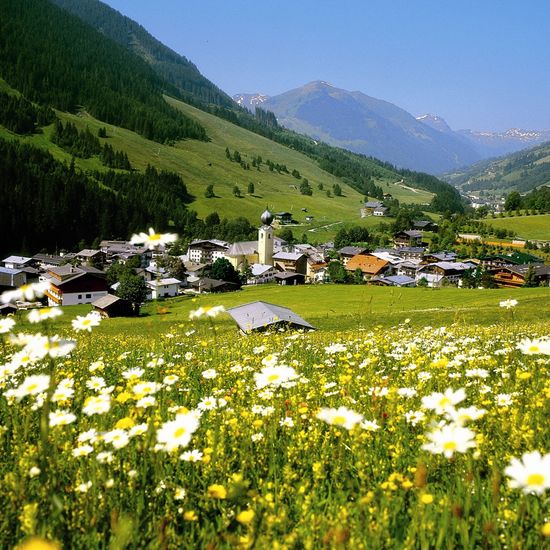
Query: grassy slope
[
  {"x": 526, "y": 227},
  {"x": 201, "y": 164},
  {"x": 338, "y": 307}
]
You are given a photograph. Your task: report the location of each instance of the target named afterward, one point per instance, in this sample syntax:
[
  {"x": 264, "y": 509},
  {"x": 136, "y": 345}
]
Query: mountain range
[{"x": 377, "y": 128}]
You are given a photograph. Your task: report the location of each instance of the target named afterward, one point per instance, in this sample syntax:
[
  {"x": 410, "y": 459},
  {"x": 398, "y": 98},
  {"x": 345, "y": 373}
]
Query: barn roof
[{"x": 257, "y": 315}]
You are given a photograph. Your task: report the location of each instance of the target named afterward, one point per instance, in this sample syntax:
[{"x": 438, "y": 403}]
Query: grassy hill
[
  {"x": 526, "y": 227},
  {"x": 202, "y": 163},
  {"x": 521, "y": 171}
]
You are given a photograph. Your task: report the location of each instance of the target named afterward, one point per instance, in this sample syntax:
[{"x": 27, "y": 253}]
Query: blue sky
[{"x": 482, "y": 64}]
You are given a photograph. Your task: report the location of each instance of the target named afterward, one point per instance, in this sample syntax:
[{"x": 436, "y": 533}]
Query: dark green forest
[{"x": 55, "y": 59}]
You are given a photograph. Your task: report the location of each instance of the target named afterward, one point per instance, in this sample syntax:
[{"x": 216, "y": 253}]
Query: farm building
[{"x": 258, "y": 316}]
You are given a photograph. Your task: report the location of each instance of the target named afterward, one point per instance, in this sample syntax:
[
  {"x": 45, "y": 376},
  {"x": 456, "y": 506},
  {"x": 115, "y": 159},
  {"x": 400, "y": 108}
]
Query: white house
[
  {"x": 261, "y": 273},
  {"x": 164, "y": 288},
  {"x": 75, "y": 285},
  {"x": 206, "y": 251}
]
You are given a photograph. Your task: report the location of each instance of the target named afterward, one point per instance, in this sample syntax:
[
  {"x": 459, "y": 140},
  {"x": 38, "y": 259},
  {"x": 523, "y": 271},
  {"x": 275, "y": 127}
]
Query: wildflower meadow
[{"x": 401, "y": 437}]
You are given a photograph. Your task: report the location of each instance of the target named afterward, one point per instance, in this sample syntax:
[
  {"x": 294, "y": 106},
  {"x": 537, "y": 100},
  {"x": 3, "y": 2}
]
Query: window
[
  {"x": 88, "y": 295},
  {"x": 80, "y": 296}
]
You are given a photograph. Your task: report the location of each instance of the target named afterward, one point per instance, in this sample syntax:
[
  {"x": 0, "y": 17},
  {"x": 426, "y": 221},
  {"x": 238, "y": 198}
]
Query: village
[{"x": 81, "y": 277}]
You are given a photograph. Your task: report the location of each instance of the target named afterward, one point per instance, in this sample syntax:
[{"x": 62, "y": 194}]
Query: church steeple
[{"x": 265, "y": 239}]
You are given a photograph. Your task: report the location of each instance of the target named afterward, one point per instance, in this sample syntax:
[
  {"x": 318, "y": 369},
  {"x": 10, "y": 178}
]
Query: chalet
[
  {"x": 443, "y": 273},
  {"x": 439, "y": 257},
  {"x": 346, "y": 253},
  {"x": 45, "y": 261},
  {"x": 259, "y": 316},
  {"x": 113, "y": 306},
  {"x": 290, "y": 278},
  {"x": 514, "y": 258},
  {"x": 380, "y": 211},
  {"x": 164, "y": 288},
  {"x": 75, "y": 285},
  {"x": 17, "y": 262},
  {"x": 411, "y": 253},
  {"x": 393, "y": 280},
  {"x": 207, "y": 251},
  {"x": 408, "y": 269},
  {"x": 424, "y": 225},
  {"x": 513, "y": 276},
  {"x": 371, "y": 206},
  {"x": 205, "y": 284},
  {"x": 410, "y": 237},
  {"x": 91, "y": 257},
  {"x": 294, "y": 262},
  {"x": 284, "y": 218},
  {"x": 261, "y": 274},
  {"x": 368, "y": 264}
]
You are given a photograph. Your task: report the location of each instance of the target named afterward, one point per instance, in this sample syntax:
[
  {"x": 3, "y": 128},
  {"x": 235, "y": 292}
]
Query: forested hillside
[
  {"x": 53, "y": 58},
  {"x": 521, "y": 171}
]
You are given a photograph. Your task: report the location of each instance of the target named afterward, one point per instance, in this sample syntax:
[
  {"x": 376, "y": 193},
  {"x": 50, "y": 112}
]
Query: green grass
[
  {"x": 526, "y": 227},
  {"x": 337, "y": 307}
]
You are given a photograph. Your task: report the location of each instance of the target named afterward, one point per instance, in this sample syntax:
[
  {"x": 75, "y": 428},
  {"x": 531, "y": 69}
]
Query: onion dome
[{"x": 267, "y": 217}]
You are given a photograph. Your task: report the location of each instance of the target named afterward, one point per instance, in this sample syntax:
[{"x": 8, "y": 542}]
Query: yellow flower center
[
  {"x": 444, "y": 401},
  {"x": 535, "y": 479},
  {"x": 179, "y": 432},
  {"x": 449, "y": 446},
  {"x": 273, "y": 377},
  {"x": 155, "y": 237},
  {"x": 339, "y": 420},
  {"x": 32, "y": 387},
  {"x": 534, "y": 348}
]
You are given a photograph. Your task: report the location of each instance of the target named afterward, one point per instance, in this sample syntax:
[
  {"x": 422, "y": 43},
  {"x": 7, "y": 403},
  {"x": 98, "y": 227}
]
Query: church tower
[{"x": 265, "y": 239}]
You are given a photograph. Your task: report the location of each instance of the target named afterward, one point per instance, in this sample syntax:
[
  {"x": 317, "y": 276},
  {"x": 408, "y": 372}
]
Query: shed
[
  {"x": 261, "y": 315},
  {"x": 290, "y": 278},
  {"x": 113, "y": 306}
]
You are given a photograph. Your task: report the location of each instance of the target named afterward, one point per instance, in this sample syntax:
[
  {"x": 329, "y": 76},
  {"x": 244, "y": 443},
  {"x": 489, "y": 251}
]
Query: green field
[
  {"x": 526, "y": 227},
  {"x": 339, "y": 307}
]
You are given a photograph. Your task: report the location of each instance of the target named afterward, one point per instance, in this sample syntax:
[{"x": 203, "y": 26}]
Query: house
[
  {"x": 91, "y": 257},
  {"x": 259, "y": 316},
  {"x": 17, "y": 262},
  {"x": 346, "y": 253},
  {"x": 75, "y": 285},
  {"x": 294, "y": 262},
  {"x": 381, "y": 211},
  {"x": 393, "y": 280},
  {"x": 11, "y": 278},
  {"x": 371, "y": 206},
  {"x": 408, "y": 269},
  {"x": 122, "y": 251},
  {"x": 425, "y": 225},
  {"x": 45, "y": 261},
  {"x": 410, "y": 237},
  {"x": 113, "y": 306},
  {"x": 246, "y": 252},
  {"x": 207, "y": 251},
  {"x": 411, "y": 253},
  {"x": 205, "y": 284},
  {"x": 439, "y": 257},
  {"x": 440, "y": 273},
  {"x": 290, "y": 278},
  {"x": 284, "y": 218},
  {"x": 164, "y": 288},
  {"x": 513, "y": 276},
  {"x": 261, "y": 274},
  {"x": 368, "y": 264}
]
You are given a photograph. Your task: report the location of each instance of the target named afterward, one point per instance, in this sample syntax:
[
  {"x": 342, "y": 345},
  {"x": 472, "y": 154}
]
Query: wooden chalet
[
  {"x": 75, "y": 285},
  {"x": 369, "y": 265}
]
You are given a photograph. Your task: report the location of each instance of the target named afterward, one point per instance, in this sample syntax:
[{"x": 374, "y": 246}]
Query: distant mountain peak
[{"x": 436, "y": 122}]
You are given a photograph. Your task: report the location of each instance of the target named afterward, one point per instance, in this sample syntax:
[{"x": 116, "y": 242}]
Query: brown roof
[{"x": 368, "y": 264}]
